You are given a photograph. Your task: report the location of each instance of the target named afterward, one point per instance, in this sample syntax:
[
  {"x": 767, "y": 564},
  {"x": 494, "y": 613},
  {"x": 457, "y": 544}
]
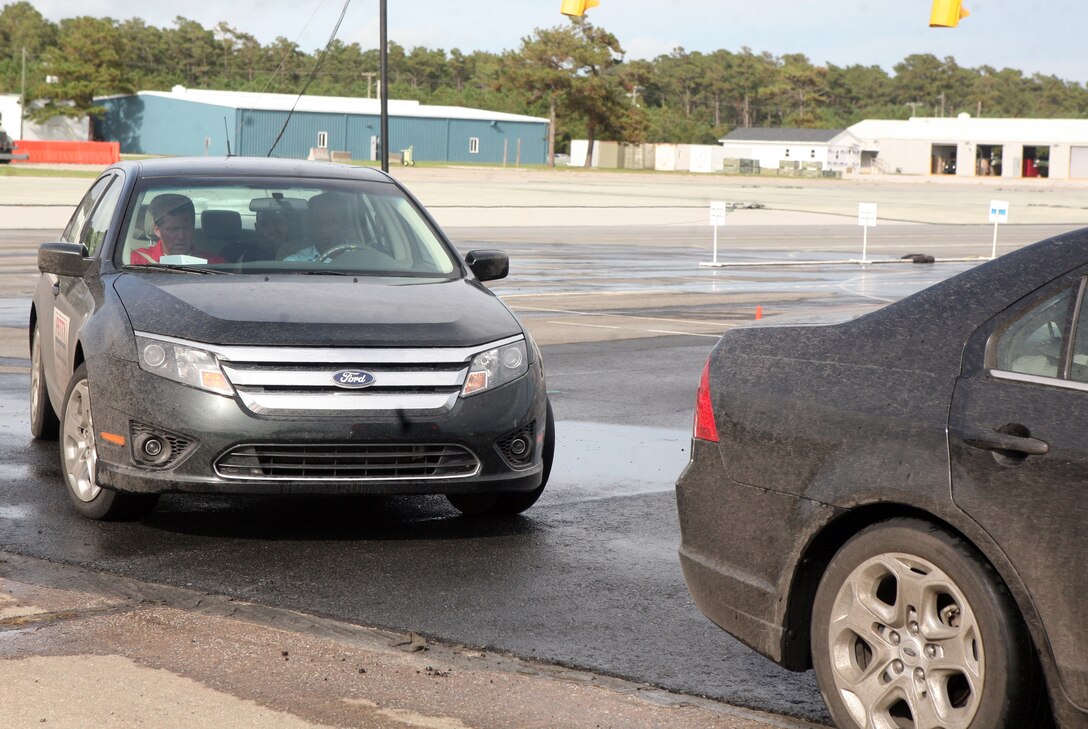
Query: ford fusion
[
  {"x": 270, "y": 326},
  {"x": 899, "y": 500}
]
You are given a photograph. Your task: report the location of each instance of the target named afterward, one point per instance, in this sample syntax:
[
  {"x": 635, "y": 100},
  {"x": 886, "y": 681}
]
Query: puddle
[
  {"x": 17, "y": 512},
  {"x": 601, "y": 461}
]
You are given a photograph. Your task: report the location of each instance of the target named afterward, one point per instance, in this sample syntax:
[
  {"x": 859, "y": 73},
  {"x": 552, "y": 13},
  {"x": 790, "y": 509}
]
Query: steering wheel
[{"x": 337, "y": 251}]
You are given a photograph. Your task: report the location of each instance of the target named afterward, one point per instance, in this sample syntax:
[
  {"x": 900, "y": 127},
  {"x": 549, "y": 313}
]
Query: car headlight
[
  {"x": 180, "y": 363},
  {"x": 496, "y": 367}
]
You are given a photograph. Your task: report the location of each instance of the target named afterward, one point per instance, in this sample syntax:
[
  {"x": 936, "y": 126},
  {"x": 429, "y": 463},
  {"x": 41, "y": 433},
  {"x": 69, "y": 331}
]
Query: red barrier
[{"x": 75, "y": 153}]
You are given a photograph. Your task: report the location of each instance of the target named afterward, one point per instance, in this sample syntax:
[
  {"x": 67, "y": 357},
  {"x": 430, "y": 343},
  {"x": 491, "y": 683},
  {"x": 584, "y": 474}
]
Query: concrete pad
[{"x": 120, "y": 655}]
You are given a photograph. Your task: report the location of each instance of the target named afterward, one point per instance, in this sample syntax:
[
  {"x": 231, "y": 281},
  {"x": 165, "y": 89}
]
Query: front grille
[{"x": 347, "y": 462}]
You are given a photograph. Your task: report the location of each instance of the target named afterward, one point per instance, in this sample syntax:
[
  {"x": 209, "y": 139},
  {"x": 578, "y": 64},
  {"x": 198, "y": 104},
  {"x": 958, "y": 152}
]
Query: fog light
[
  {"x": 519, "y": 446},
  {"x": 152, "y": 449}
]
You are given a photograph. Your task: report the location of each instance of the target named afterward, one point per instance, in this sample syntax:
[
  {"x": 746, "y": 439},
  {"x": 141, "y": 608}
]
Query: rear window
[{"x": 266, "y": 225}]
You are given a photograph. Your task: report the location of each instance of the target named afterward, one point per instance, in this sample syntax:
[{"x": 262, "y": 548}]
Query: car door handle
[
  {"x": 56, "y": 289},
  {"x": 991, "y": 440}
]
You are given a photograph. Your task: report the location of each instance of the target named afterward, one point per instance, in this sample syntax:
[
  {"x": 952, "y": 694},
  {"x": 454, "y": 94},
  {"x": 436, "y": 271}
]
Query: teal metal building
[{"x": 192, "y": 122}]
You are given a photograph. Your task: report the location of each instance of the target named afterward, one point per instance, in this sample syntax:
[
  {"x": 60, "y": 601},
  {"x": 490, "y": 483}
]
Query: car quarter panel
[{"x": 819, "y": 423}]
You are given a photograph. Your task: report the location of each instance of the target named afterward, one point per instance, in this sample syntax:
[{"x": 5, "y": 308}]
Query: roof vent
[
  {"x": 179, "y": 89},
  {"x": 963, "y": 115}
]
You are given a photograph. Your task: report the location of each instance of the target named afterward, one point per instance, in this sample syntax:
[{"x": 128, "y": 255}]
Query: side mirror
[
  {"x": 488, "y": 265},
  {"x": 63, "y": 259}
]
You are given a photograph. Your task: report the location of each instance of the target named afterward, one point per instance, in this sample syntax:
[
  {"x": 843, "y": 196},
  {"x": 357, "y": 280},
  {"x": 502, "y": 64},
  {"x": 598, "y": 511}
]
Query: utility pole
[
  {"x": 22, "y": 97},
  {"x": 383, "y": 90},
  {"x": 913, "y": 107},
  {"x": 369, "y": 79}
]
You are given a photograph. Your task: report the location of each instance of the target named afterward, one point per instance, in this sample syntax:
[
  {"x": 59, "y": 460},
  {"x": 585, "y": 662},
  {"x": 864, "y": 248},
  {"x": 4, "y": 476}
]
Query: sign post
[
  {"x": 999, "y": 214},
  {"x": 717, "y": 217},
  {"x": 866, "y": 218}
]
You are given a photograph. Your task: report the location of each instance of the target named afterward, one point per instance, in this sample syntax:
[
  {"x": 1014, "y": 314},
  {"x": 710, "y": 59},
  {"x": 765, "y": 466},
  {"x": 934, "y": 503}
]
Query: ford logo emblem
[{"x": 353, "y": 379}]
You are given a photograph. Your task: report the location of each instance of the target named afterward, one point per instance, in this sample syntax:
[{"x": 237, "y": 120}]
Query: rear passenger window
[{"x": 1033, "y": 343}]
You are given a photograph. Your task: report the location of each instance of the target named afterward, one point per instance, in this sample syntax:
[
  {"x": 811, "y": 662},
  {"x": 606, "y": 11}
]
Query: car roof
[{"x": 248, "y": 166}]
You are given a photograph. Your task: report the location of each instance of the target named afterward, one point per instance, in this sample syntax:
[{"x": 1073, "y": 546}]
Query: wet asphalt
[{"x": 587, "y": 578}]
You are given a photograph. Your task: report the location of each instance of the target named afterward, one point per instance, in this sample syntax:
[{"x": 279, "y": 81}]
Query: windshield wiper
[
  {"x": 327, "y": 273},
  {"x": 181, "y": 267}
]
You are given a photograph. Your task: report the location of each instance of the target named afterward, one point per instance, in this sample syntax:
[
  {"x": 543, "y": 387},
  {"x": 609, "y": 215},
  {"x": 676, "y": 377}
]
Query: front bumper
[{"x": 123, "y": 394}]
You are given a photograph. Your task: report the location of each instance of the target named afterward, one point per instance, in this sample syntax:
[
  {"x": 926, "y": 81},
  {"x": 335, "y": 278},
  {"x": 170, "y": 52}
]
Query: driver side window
[
  {"x": 1034, "y": 344},
  {"x": 73, "y": 232}
]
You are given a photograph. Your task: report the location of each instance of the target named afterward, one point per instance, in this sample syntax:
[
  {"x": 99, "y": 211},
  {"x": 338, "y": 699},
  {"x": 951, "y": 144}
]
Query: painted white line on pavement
[
  {"x": 579, "y": 324},
  {"x": 688, "y": 334},
  {"x": 626, "y": 316}
]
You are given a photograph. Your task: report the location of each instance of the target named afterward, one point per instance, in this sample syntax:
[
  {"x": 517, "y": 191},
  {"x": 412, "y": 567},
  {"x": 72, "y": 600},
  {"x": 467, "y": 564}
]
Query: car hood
[{"x": 315, "y": 310}]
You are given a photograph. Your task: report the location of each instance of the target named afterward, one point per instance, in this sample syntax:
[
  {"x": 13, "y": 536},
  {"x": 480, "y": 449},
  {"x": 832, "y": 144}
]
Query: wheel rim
[
  {"x": 80, "y": 454},
  {"x": 905, "y": 647},
  {"x": 36, "y": 383}
]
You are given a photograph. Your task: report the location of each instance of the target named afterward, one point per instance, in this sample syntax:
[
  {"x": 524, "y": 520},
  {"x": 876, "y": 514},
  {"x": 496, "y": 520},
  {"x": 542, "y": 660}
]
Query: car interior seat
[{"x": 222, "y": 230}]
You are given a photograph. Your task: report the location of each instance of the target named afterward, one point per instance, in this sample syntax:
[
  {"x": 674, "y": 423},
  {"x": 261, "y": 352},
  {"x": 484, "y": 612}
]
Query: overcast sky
[{"x": 1030, "y": 35}]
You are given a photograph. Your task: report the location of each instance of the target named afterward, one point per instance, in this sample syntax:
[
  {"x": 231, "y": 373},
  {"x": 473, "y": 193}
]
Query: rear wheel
[
  {"x": 79, "y": 461},
  {"x": 44, "y": 424},
  {"x": 911, "y": 629},
  {"x": 510, "y": 502}
]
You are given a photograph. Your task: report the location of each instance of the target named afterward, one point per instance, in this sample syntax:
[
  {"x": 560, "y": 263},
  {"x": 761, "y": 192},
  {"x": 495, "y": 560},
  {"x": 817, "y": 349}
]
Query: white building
[
  {"x": 770, "y": 146},
  {"x": 965, "y": 147}
]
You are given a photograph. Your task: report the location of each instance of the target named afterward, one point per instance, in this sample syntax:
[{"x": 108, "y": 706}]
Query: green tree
[
  {"x": 86, "y": 62},
  {"x": 542, "y": 70}
]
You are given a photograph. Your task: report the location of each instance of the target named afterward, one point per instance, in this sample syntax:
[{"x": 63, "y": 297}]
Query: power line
[{"x": 313, "y": 73}]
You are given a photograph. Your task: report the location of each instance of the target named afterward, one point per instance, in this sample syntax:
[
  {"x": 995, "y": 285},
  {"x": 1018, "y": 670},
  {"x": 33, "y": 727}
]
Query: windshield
[{"x": 267, "y": 225}]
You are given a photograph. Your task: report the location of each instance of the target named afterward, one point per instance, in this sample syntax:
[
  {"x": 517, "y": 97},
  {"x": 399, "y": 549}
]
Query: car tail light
[{"x": 705, "y": 428}]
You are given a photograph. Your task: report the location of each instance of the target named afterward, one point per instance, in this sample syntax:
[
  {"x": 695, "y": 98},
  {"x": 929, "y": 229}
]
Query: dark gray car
[
  {"x": 274, "y": 326},
  {"x": 900, "y": 501}
]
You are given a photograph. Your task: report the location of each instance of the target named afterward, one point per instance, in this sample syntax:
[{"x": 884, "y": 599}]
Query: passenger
[
  {"x": 330, "y": 226},
  {"x": 273, "y": 235},
  {"x": 273, "y": 229},
  {"x": 175, "y": 225}
]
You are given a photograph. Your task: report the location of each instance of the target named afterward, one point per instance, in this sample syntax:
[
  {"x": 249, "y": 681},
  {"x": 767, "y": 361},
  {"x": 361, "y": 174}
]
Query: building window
[
  {"x": 473, "y": 145},
  {"x": 322, "y": 140}
]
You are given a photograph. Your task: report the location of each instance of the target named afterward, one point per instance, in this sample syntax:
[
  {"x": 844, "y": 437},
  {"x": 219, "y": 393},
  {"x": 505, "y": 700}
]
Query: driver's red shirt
[{"x": 152, "y": 254}]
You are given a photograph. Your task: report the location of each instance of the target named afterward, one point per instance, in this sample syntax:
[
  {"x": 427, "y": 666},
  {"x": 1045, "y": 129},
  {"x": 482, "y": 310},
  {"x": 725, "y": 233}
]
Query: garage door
[{"x": 1078, "y": 163}]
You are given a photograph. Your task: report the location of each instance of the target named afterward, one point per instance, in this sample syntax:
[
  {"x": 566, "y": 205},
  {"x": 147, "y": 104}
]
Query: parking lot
[{"x": 605, "y": 272}]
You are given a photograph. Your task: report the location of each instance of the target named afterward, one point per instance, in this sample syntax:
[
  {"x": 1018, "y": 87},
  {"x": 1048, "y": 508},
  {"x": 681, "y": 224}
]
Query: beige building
[{"x": 965, "y": 147}]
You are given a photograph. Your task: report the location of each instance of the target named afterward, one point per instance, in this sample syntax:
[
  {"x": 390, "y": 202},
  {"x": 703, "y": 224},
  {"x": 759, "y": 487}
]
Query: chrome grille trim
[
  {"x": 339, "y": 355},
  {"x": 347, "y": 462},
  {"x": 297, "y": 381},
  {"x": 296, "y": 378},
  {"x": 270, "y": 403}
]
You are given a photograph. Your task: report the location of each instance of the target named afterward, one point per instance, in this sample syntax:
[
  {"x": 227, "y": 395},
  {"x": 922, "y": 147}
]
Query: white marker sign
[
  {"x": 999, "y": 211},
  {"x": 867, "y": 214},
  {"x": 866, "y": 219},
  {"x": 717, "y": 213},
  {"x": 999, "y": 214}
]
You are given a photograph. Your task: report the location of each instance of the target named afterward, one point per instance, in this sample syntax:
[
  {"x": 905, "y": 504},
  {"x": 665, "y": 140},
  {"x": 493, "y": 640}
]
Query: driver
[
  {"x": 330, "y": 226},
  {"x": 175, "y": 225}
]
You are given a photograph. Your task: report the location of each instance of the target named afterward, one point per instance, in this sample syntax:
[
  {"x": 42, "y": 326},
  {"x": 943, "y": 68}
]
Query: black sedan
[
  {"x": 274, "y": 326},
  {"x": 900, "y": 500}
]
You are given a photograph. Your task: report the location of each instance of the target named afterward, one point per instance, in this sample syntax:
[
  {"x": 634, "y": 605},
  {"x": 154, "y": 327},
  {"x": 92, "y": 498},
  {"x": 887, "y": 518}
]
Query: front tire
[
  {"x": 44, "y": 424},
  {"x": 912, "y": 628},
  {"x": 510, "y": 502},
  {"x": 79, "y": 460}
]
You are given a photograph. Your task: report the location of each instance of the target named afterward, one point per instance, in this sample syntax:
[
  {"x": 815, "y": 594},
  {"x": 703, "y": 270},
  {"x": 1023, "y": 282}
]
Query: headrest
[{"x": 221, "y": 224}]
